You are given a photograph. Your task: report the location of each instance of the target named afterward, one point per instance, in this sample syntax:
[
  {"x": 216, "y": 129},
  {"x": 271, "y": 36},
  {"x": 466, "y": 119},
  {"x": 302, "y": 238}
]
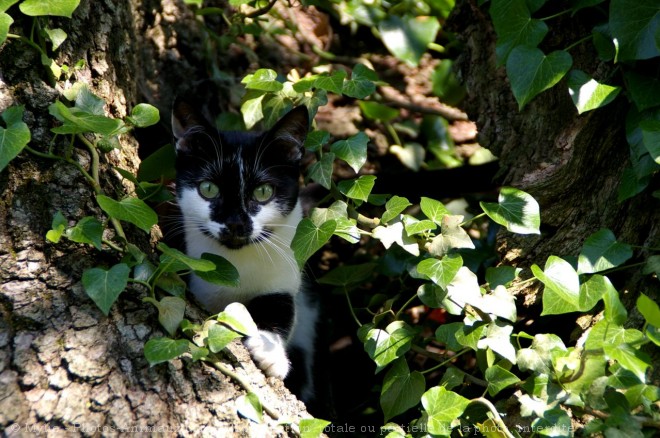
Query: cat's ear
[
  {"x": 290, "y": 133},
  {"x": 186, "y": 119}
]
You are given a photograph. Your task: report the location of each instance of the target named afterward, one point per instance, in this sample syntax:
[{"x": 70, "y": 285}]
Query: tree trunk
[
  {"x": 64, "y": 366},
  {"x": 570, "y": 163}
]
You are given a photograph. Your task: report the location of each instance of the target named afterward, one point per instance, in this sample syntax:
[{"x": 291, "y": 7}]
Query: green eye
[
  {"x": 208, "y": 190},
  {"x": 263, "y": 193}
]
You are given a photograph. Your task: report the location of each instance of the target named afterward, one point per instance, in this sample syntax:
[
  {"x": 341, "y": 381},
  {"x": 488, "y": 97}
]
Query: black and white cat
[{"x": 238, "y": 196}]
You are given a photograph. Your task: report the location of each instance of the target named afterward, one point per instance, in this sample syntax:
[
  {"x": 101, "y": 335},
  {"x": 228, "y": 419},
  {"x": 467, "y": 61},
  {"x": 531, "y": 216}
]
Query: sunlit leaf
[{"x": 104, "y": 287}]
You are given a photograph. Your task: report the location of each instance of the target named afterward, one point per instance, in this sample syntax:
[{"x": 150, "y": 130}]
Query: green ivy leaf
[
  {"x": 333, "y": 83},
  {"x": 469, "y": 336},
  {"x": 274, "y": 108},
  {"x": 224, "y": 274},
  {"x": 451, "y": 237},
  {"x": 170, "y": 312},
  {"x": 309, "y": 238},
  {"x": 249, "y": 406},
  {"x": 614, "y": 312},
  {"x": 414, "y": 226},
  {"x": 395, "y": 233},
  {"x": 59, "y": 8},
  {"x": 316, "y": 140},
  {"x": 442, "y": 408},
  {"x": 159, "y": 165},
  {"x": 606, "y": 333},
  {"x": 361, "y": 83},
  {"x": 431, "y": 295},
  {"x": 644, "y": 90},
  {"x": 57, "y": 227},
  {"x": 5, "y": 22},
  {"x": 410, "y": 154},
  {"x": 562, "y": 286},
  {"x": 498, "y": 339},
  {"x": 263, "y": 80},
  {"x": 76, "y": 121},
  {"x": 144, "y": 115},
  {"x": 173, "y": 260},
  {"x": 88, "y": 230},
  {"x": 629, "y": 358},
  {"x": 652, "y": 266},
  {"x": 394, "y": 206},
  {"x": 588, "y": 94},
  {"x": 651, "y": 136},
  {"x": 443, "y": 271},
  {"x": 14, "y": 137},
  {"x": 401, "y": 389},
  {"x": 353, "y": 150},
  {"x": 346, "y": 228},
  {"x": 516, "y": 210},
  {"x": 251, "y": 107},
  {"x": 219, "y": 337},
  {"x": 312, "y": 427},
  {"x": 359, "y": 188},
  {"x": 171, "y": 283},
  {"x": 434, "y": 210},
  {"x": 501, "y": 275},
  {"x": 649, "y": 309},
  {"x": 446, "y": 334},
  {"x": 237, "y": 317},
  {"x": 131, "y": 210},
  {"x": 347, "y": 275},
  {"x": 515, "y": 27},
  {"x": 384, "y": 346},
  {"x": 601, "y": 251},
  {"x": 56, "y": 37},
  {"x": 378, "y": 111},
  {"x": 104, "y": 287},
  {"x": 463, "y": 289},
  {"x": 321, "y": 171},
  {"x": 531, "y": 71},
  {"x": 498, "y": 378},
  {"x": 501, "y": 303},
  {"x": 592, "y": 291},
  {"x": 553, "y": 423},
  {"x": 407, "y": 38},
  {"x": 634, "y": 24},
  {"x": 158, "y": 350}
]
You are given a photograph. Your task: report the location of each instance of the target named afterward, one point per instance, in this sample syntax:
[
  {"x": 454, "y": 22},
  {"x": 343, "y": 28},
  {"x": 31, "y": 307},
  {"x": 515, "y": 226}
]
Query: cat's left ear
[{"x": 290, "y": 133}]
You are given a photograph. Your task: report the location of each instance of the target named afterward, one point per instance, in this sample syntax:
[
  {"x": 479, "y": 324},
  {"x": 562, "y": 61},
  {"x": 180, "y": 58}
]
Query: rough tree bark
[
  {"x": 64, "y": 366},
  {"x": 570, "y": 163}
]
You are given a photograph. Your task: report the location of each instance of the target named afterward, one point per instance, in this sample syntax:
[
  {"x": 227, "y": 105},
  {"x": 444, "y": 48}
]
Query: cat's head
[{"x": 237, "y": 187}]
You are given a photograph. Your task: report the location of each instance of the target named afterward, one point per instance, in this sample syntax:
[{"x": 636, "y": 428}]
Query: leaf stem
[
  {"x": 464, "y": 223},
  {"x": 559, "y": 14},
  {"x": 622, "y": 268},
  {"x": 445, "y": 362},
  {"x": 577, "y": 43},
  {"x": 496, "y": 415},
  {"x": 350, "y": 308},
  {"x": 393, "y": 133},
  {"x": 396, "y": 315}
]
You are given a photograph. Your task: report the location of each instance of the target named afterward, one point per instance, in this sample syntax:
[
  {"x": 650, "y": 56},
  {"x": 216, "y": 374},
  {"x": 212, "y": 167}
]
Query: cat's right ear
[{"x": 186, "y": 119}]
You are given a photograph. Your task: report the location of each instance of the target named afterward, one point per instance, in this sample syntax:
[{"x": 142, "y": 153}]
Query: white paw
[{"x": 269, "y": 353}]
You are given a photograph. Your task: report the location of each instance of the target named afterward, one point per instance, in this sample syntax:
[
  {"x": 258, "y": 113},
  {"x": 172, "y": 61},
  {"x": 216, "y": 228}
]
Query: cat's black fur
[{"x": 238, "y": 195}]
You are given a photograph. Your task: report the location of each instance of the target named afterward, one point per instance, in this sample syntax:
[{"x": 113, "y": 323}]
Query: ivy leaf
[
  {"x": 158, "y": 350},
  {"x": 531, "y": 71},
  {"x": 442, "y": 408},
  {"x": 316, "y": 139},
  {"x": 553, "y": 423},
  {"x": 346, "y": 228},
  {"x": 237, "y": 317},
  {"x": 224, "y": 274},
  {"x": 219, "y": 337},
  {"x": 131, "y": 210},
  {"x": 407, "y": 38},
  {"x": 401, "y": 389},
  {"x": 463, "y": 289},
  {"x": 446, "y": 334},
  {"x": 170, "y": 312},
  {"x": 361, "y": 83},
  {"x": 588, "y": 94},
  {"x": 274, "y": 108},
  {"x": 410, "y": 154},
  {"x": 14, "y": 137},
  {"x": 651, "y": 136},
  {"x": 171, "y": 283},
  {"x": 562, "y": 286},
  {"x": 394, "y": 206},
  {"x": 395, "y": 233},
  {"x": 634, "y": 24},
  {"x": 434, "y": 210},
  {"x": 591, "y": 291},
  {"x": 56, "y": 37},
  {"x": 498, "y": 378},
  {"x": 384, "y": 346},
  {"x": 353, "y": 150},
  {"x": 173, "y": 260},
  {"x": 515, "y": 27},
  {"x": 601, "y": 251},
  {"x": 251, "y": 107},
  {"x": 498, "y": 339},
  {"x": 378, "y": 111},
  {"x": 629, "y": 358},
  {"x": 649, "y": 310},
  {"x": 643, "y": 89},
  {"x": 516, "y": 210},
  {"x": 357, "y": 188},
  {"x": 249, "y": 406},
  {"x": 500, "y": 303},
  {"x": 76, "y": 120},
  {"x": 87, "y": 230},
  {"x": 414, "y": 226},
  {"x": 348, "y": 274},
  {"x": 263, "y": 80},
  {"x": 451, "y": 237},
  {"x": 59, "y": 8},
  {"x": 333, "y": 83},
  {"x": 144, "y": 115},
  {"x": 309, "y": 238},
  {"x": 443, "y": 271},
  {"x": 312, "y": 427},
  {"x": 57, "y": 226},
  {"x": 431, "y": 295},
  {"x": 104, "y": 287},
  {"x": 321, "y": 171},
  {"x": 159, "y": 165},
  {"x": 501, "y": 275}
]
